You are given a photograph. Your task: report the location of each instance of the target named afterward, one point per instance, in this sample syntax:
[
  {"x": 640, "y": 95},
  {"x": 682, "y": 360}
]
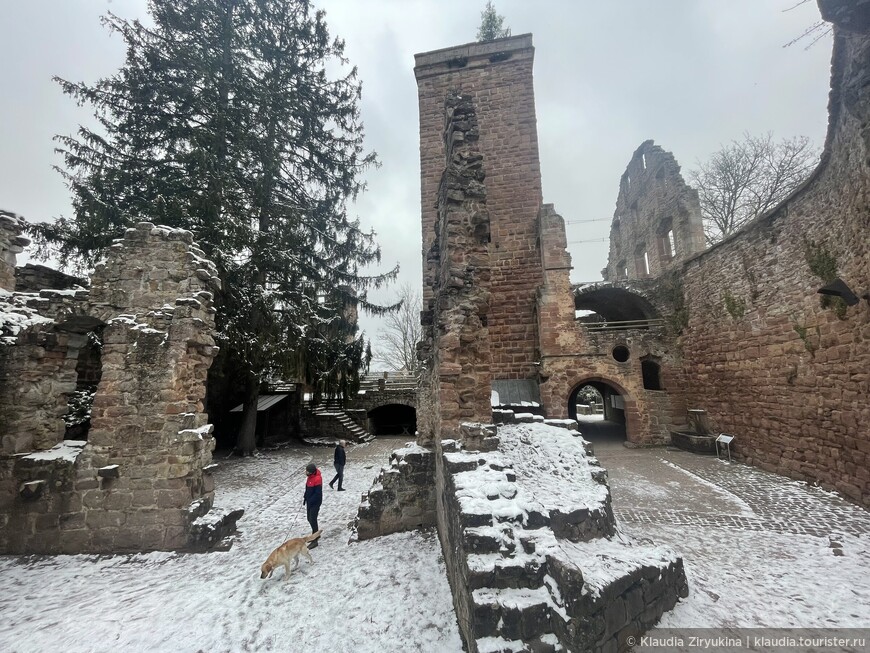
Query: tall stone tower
[{"x": 498, "y": 77}]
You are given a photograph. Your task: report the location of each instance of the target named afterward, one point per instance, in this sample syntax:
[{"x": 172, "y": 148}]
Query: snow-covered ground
[
  {"x": 389, "y": 594},
  {"x": 759, "y": 551}
]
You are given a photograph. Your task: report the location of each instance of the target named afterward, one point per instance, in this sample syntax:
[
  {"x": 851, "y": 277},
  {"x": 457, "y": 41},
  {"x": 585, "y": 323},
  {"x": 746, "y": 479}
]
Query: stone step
[
  {"x": 488, "y": 539},
  {"x": 512, "y": 614},
  {"x": 547, "y": 643},
  {"x": 496, "y": 571}
]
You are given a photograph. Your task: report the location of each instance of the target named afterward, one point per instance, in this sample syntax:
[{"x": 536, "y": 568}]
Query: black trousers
[
  {"x": 313, "y": 510},
  {"x": 339, "y": 475}
]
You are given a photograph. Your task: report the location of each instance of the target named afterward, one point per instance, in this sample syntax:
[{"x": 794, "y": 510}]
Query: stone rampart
[{"x": 774, "y": 363}]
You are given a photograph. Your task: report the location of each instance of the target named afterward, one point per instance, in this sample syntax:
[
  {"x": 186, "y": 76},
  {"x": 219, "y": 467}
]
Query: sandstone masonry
[{"x": 141, "y": 481}]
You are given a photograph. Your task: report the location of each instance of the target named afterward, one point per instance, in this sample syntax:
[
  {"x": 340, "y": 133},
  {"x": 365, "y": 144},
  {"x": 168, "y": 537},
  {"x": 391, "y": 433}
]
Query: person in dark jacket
[
  {"x": 313, "y": 497},
  {"x": 338, "y": 462}
]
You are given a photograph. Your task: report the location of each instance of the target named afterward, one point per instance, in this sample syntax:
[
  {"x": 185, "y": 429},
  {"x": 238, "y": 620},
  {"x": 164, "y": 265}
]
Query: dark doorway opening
[
  {"x": 89, "y": 371},
  {"x": 604, "y": 419},
  {"x": 393, "y": 419}
]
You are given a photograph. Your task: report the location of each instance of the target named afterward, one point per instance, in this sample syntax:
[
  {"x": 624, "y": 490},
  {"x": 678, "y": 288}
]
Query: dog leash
[{"x": 298, "y": 510}]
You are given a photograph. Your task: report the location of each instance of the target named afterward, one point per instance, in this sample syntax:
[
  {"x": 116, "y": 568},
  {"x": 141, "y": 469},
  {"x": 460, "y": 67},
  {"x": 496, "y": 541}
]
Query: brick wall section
[
  {"x": 787, "y": 377},
  {"x": 571, "y": 355},
  {"x": 653, "y": 198},
  {"x": 498, "y": 76}
]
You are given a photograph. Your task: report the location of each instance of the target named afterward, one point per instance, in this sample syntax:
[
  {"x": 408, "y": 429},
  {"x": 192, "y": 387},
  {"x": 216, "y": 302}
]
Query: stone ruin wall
[
  {"x": 572, "y": 355},
  {"x": 455, "y": 381},
  {"x": 653, "y": 200},
  {"x": 142, "y": 480},
  {"x": 456, "y": 340},
  {"x": 498, "y": 76},
  {"x": 787, "y": 377},
  {"x": 11, "y": 244}
]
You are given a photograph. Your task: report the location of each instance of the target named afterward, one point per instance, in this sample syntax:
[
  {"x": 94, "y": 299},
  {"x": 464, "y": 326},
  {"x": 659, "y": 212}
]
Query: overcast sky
[{"x": 690, "y": 74}]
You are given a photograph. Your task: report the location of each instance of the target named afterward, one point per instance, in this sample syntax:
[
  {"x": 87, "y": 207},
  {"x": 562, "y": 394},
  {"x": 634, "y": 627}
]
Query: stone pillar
[{"x": 11, "y": 243}]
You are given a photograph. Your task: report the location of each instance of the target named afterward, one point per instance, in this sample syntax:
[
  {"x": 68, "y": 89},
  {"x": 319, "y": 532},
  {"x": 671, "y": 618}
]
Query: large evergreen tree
[{"x": 224, "y": 120}]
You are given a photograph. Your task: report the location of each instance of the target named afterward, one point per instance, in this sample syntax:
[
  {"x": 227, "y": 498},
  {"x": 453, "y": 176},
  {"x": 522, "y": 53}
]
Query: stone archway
[
  {"x": 393, "y": 419},
  {"x": 615, "y": 417}
]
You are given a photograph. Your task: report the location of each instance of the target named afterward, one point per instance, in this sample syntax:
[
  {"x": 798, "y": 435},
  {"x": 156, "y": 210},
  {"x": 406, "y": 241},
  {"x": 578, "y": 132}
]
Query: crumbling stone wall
[
  {"x": 498, "y": 77},
  {"x": 572, "y": 354},
  {"x": 455, "y": 384},
  {"x": 657, "y": 223},
  {"x": 33, "y": 278},
  {"x": 11, "y": 243},
  {"x": 402, "y": 497},
  {"x": 141, "y": 481}
]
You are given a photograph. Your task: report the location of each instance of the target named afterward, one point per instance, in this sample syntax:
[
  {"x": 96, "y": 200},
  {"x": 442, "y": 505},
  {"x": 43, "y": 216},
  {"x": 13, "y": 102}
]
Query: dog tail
[{"x": 313, "y": 536}]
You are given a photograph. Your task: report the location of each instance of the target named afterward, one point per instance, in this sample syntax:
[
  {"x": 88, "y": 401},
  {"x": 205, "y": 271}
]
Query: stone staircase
[
  {"x": 535, "y": 579},
  {"x": 389, "y": 381},
  {"x": 332, "y": 423}
]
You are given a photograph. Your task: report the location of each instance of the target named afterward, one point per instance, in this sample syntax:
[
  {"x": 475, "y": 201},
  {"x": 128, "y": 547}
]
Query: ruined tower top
[
  {"x": 473, "y": 55},
  {"x": 657, "y": 223},
  {"x": 497, "y": 78}
]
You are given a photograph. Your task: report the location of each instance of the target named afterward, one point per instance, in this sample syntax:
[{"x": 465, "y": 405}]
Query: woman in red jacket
[{"x": 313, "y": 497}]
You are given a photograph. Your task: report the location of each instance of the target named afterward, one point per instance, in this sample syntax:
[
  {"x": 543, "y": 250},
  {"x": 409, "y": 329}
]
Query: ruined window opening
[
  {"x": 667, "y": 241},
  {"x": 621, "y": 353},
  {"x": 651, "y": 372},
  {"x": 641, "y": 260},
  {"x": 89, "y": 371},
  {"x": 634, "y": 212},
  {"x": 621, "y": 270}
]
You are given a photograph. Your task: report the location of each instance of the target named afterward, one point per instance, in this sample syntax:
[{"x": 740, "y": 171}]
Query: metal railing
[{"x": 623, "y": 325}]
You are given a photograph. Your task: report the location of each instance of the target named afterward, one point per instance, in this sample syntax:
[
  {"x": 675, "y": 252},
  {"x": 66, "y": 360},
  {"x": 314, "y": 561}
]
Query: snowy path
[
  {"x": 760, "y": 550},
  {"x": 389, "y": 594}
]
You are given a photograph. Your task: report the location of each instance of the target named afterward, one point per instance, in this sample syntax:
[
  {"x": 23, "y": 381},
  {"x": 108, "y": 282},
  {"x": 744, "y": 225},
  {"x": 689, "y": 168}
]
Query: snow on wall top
[{"x": 553, "y": 465}]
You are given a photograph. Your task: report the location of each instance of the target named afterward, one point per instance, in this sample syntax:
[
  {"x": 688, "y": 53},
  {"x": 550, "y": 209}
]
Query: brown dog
[{"x": 287, "y": 553}]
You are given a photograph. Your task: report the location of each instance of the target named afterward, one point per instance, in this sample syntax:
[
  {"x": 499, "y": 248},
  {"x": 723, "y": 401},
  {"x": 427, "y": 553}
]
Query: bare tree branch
[
  {"x": 397, "y": 341},
  {"x": 748, "y": 178}
]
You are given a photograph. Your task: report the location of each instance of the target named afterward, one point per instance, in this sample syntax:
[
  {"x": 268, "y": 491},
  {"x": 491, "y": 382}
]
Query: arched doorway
[
  {"x": 599, "y": 407},
  {"x": 393, "y": 419}
]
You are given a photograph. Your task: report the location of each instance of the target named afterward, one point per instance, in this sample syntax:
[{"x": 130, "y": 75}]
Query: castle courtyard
[{"x": 760, "y": 550}]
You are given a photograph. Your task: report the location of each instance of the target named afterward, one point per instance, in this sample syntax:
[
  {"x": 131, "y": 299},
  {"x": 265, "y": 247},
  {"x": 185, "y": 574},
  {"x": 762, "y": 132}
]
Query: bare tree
[
  {"x": 402, "y": 331},
  {"x": 747, "y": 178}
]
